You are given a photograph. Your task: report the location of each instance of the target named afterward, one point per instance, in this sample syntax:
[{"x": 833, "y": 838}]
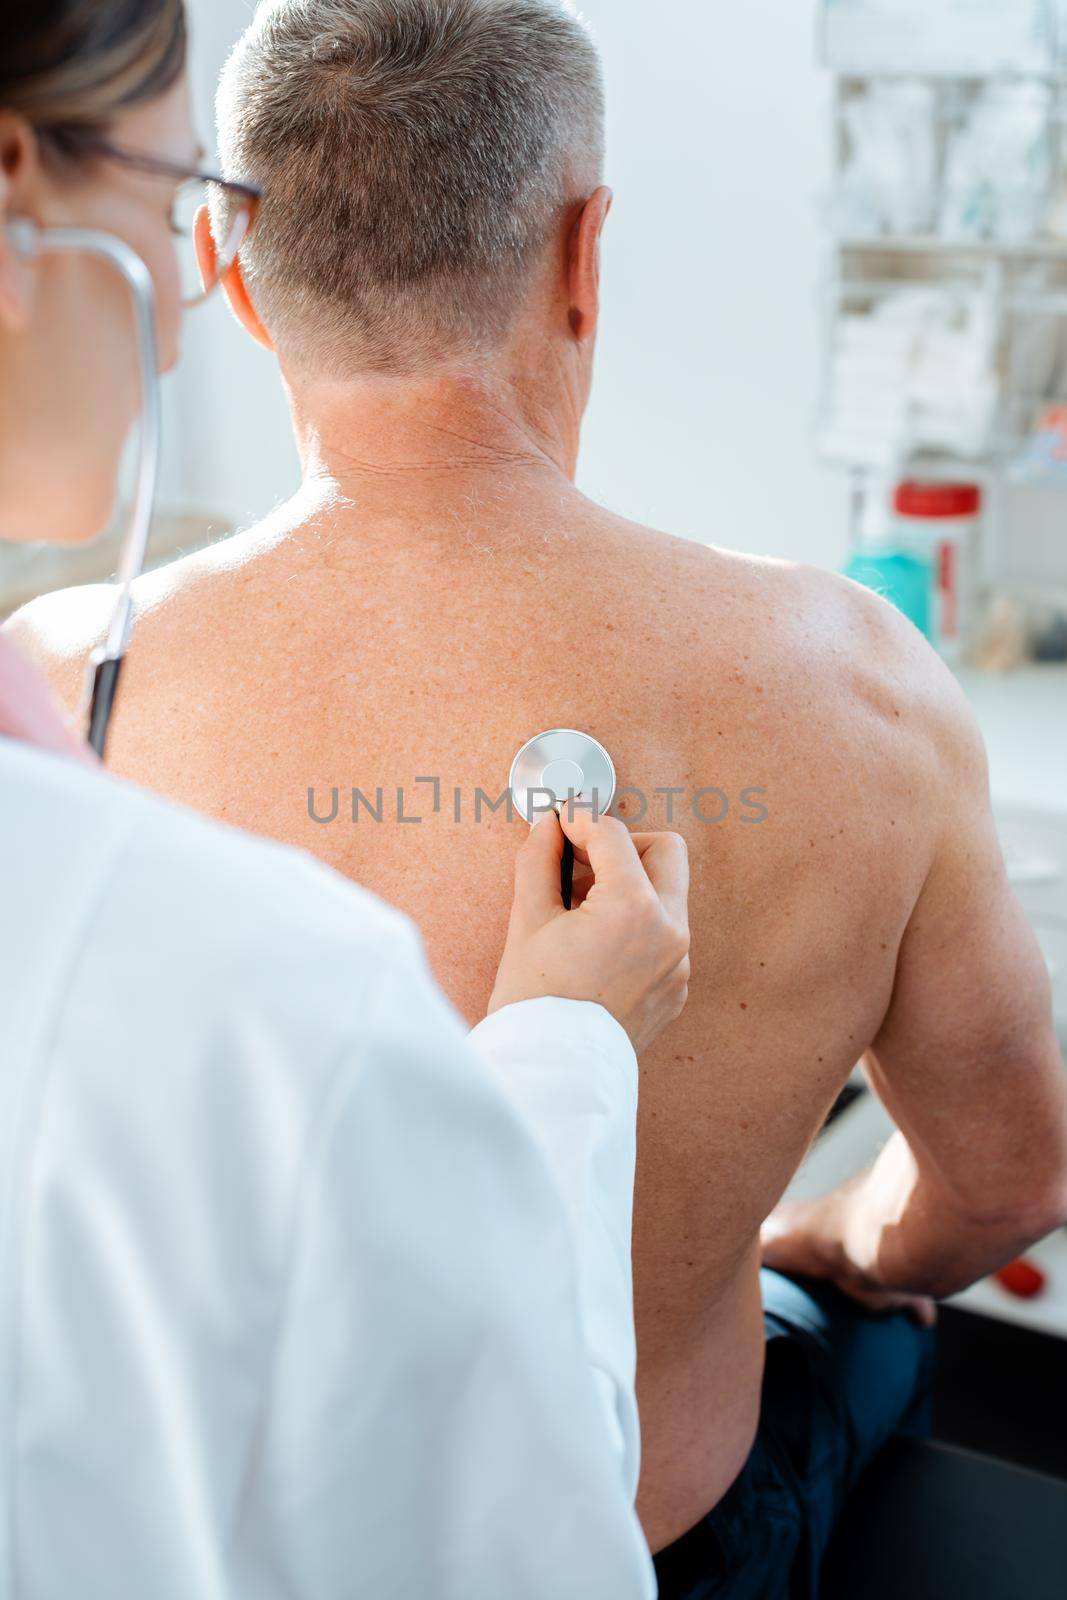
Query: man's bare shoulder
[
  {"x": 59, "y": 630},
  {"x": 830, "y": 656}
]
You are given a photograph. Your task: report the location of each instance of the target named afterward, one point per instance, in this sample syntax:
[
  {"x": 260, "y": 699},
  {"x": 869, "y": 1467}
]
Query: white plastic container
[{"x": 940, "y": 521}]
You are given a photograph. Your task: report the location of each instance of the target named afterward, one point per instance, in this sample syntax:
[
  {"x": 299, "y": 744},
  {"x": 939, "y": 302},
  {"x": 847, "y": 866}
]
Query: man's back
[{"x": 793, "y": 718}]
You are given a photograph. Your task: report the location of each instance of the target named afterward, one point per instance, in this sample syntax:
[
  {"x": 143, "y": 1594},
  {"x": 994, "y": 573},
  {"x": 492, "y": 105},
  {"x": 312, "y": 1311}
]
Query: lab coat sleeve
[
  {"x": 434, "y": 1427},
  {"x": 570, "y": 1070}
]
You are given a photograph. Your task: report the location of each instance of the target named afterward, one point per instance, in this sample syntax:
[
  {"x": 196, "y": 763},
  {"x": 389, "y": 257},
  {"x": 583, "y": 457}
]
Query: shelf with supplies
[
  {"x": 959, "y": 162},
  {"x": 931, "y": 244},
  {"x": 944, "y": 306},
  {"x": 972, "y": 369},
  {"x": 953, "y": 38}
]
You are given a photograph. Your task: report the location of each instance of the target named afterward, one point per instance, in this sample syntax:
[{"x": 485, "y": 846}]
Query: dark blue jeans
[{"x": 839, "y": 1383}]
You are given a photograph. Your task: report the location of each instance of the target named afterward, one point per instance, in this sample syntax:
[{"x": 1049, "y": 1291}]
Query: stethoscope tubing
[{"x": 106, "y": 662}]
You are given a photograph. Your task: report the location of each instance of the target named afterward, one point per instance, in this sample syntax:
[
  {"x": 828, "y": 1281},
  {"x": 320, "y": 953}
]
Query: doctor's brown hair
[{"x": 69, "y": 66}]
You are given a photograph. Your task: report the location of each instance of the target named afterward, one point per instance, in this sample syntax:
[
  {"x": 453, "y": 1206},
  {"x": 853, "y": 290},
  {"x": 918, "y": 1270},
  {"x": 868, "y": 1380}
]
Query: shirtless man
[{"x": 426, "y": 265}]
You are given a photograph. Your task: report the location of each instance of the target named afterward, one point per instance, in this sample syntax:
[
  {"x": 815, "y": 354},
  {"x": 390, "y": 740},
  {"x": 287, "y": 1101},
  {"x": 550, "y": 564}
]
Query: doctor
[{"x": 298, "y": 1296}]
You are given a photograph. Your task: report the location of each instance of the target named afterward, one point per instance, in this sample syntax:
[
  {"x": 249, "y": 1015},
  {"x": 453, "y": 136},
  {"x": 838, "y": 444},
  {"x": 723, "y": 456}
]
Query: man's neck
[{"x": 421, "y": 444}]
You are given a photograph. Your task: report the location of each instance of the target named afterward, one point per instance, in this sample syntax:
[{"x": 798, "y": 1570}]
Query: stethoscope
[
  {"x": 558, "y": 768},
  {"x": 105, "y": 663}
]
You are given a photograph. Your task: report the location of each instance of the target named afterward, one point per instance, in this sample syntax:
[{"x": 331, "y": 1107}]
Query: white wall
[
  {"x": 229, "y": 449},
  {"x": 718, "y": 152},
  {"x": 702, "y": 417}
]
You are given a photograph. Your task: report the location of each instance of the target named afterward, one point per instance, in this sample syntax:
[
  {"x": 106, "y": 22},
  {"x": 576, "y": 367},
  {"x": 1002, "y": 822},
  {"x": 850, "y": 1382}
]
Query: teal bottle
[{"x": 900, "y": 576}]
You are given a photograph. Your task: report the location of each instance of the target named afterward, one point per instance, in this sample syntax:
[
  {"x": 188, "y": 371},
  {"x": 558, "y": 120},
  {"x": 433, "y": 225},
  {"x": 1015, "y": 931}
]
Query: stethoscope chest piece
[{"x": 554, "y": 766}]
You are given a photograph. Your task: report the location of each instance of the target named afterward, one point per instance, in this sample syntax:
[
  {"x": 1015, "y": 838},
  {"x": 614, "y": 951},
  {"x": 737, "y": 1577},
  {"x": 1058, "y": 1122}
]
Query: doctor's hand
[{"x": 626, "y": 946}]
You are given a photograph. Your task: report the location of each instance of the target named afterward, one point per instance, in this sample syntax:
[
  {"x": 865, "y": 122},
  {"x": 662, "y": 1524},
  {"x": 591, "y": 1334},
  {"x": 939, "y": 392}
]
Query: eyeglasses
[{"x": 234, "y": 208}]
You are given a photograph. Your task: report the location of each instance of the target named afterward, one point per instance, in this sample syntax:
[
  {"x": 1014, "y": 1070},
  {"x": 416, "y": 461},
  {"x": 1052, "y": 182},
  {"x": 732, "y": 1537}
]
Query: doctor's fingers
[
  {"x": 606, "y": 844},
  {"x": 665, "y": 859},
  {"x": 628, "y": 866},
  {"x": 537, "y": 887}
]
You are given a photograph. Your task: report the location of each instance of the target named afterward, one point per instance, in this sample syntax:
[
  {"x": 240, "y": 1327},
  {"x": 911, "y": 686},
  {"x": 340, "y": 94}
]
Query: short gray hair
[{"x": 416, "y": 156}]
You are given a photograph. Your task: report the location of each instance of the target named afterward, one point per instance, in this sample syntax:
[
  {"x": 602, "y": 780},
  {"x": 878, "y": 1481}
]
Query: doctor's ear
[
  {"x": 233, "y": 284},
  {"x": 19, "y": 163}
]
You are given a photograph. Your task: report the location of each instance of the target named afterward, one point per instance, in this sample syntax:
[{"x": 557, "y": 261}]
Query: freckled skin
[{"x": 362, "y": 652}]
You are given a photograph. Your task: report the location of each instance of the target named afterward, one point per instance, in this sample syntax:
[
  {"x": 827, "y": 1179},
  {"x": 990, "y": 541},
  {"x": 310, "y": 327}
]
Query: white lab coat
[{"x": 294, "y": 1302}]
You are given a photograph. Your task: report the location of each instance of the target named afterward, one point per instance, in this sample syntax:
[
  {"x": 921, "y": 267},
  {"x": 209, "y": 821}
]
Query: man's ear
[
  {"x": 18, "y": 164},
  {"x": 233, "y": 284},
  {"x": 584, "y": 264}
]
